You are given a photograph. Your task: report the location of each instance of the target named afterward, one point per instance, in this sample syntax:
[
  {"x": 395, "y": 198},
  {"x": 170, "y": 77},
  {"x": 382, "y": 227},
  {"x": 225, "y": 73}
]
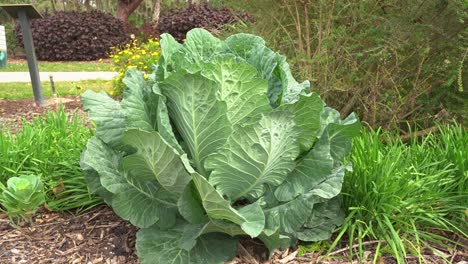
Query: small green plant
[
  {"x": 22, "y": 196},
  {"x": 318, "y": 247}
]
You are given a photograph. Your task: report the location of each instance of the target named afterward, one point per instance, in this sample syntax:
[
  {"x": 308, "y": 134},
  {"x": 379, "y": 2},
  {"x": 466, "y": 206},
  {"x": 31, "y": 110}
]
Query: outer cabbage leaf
[
  {"x": 94, "y": 183},
  {"x": 291, "y": 88},
  {"x": 169, "y": 47},
  {"x": 106, "y": 162},
  {"x": 141, "y": 201},
  {"x": 155, "y": 160},
  {"x": 319, "y": 165},
  {"x": 200, "y": 45},
  {"x": 145, "y": 203},
  {"x": 267, "y": 62},
  {"x": 197, "y": 113},
  {"x": 290, "y": 216},
  {"x": 255, "y": 155},
  {"x": 223, "y": 226},
  {"x": 156, "y": 246},
  {"x": 191, "y": 234},
  {"x": 307, "y": 111},
  {"x": 243, "y": 92},
  {"x": 107, "y": 114},
  {"x": 276, "y": 241},
  {"x": 164, "y": 125},
  {"x": 324, "y": 219},
  {"x": 339, "y": 132},
  {"x": 241, "y": 44},
  {"x": 310, "y": 171},
  {"x": 250, "y": 218},
  {"x": 190, "y": 205},
  {"x": 139, "y": 109},
  {"x": 139, "y": 103}
]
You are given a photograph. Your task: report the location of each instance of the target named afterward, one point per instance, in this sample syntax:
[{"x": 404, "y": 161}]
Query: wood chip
[
  {"x": 60, "y": 238},
  {"x": 289, "y": 257}
]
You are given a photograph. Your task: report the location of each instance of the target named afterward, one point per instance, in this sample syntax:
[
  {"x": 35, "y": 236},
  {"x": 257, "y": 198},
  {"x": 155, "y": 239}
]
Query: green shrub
[
  {"x": 178, "y": 22},
  {"x": 142, "y": 56},
  {"x": 220, "y": 142},
  {"x": 76, "y": 36},
  {"x": 50, "y": 147}
]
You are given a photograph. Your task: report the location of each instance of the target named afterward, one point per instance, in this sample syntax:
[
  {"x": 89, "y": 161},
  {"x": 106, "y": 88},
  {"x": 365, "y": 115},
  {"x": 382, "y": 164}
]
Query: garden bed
[
  {"x": 97, "y": 236},
  {"x": 100, "y": 236},
  {"x": 13, "y": 111}
]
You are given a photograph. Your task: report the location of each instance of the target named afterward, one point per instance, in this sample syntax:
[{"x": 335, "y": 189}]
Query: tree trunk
[
  {"x": 107, "y": 3},
  {"x": 99, "y": 5},
  {"x": 191, "y": 3},
  {"x": 54, "y": 8},
  {"x": 76, "y": 5},
  {"x": 87, "y": 5},
  {"x": 125, "y": 8},
  {"x": 156, "y": 12}
]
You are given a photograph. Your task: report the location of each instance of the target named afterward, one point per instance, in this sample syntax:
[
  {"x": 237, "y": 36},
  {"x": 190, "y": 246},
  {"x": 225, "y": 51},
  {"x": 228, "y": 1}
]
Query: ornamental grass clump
[
  {"x": 220, "y": 142},
  {"x": 136, "y": 54}
]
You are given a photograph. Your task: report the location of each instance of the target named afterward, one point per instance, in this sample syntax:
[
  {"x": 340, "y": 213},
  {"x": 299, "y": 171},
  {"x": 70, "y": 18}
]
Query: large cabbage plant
[{"x": 221, "y": 142}]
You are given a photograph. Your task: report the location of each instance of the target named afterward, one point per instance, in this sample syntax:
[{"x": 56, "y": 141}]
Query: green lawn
[
  {"x": 16, "y": 90},
  {"x": 69, "y": 66}
]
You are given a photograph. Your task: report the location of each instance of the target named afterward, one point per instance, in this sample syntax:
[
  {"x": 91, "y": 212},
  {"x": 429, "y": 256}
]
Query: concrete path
[{"x": 58, "y": 76}]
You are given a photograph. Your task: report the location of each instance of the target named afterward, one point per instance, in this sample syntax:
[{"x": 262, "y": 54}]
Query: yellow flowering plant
[{"x": 136, "y": 54}]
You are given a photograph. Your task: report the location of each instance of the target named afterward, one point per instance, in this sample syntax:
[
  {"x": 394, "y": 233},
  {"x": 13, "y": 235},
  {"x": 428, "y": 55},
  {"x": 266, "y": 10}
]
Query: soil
[
  {"x": 99, "y": 236},
  {"x": 13, "y": 111}
]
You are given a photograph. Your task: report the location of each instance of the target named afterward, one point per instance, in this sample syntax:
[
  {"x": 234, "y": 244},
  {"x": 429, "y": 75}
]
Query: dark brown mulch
[
  {"x": 13, "y": 111},
  {"x": 98, "y": 236}
]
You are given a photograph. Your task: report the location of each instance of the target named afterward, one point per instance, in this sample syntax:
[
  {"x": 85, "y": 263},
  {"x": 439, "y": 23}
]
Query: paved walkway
[{"x": 57, "y": 76}]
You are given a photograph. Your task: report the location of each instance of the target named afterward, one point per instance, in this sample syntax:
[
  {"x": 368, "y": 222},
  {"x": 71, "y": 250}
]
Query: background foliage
[
  {"x": 178, "y": 22},
  {"x": 137, "y": 54},
  {"x": 76, "y": 36},
  {"x": 391, "y": 62}
]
